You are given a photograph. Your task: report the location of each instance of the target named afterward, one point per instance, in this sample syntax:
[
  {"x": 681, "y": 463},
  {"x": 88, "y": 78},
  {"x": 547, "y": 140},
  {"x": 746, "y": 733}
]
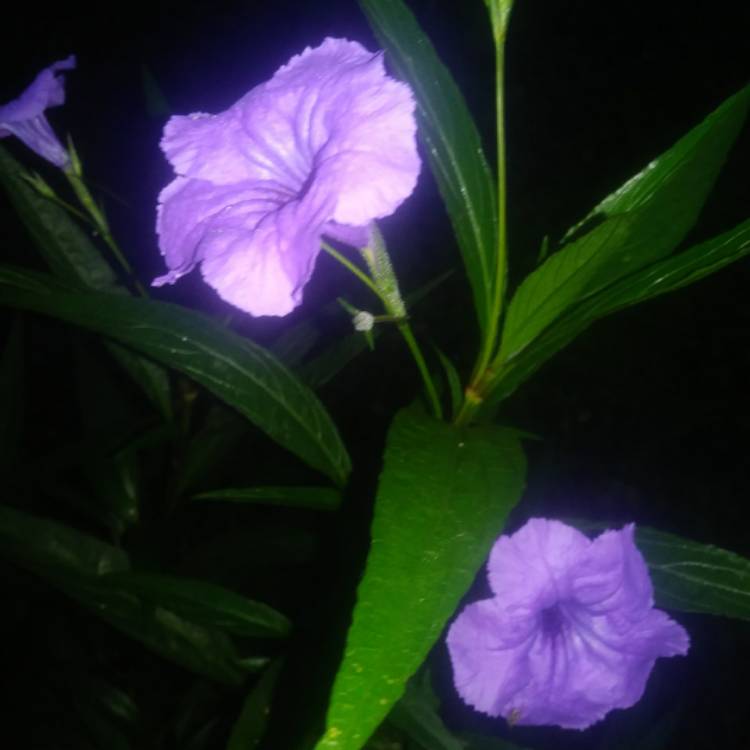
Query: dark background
[{"x": 646, "y": 416}]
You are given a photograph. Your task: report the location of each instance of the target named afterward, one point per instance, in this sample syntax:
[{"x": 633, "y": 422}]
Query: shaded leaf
[
  {"x": 235, "y": 369},
  {"x": 452, "y": 143},
  {"x": 248, "y": 730},
  {"x": 695, "y": 577},
  {"x": 643, "y": 221},
  {"x": 314, "y": 498},
  {"x": 70, "y": 253},
  {"x": 40, "y": 544},
  {"x": 204, "y": 603},
  {"x": 443, "y": 497},
  {"x": 665, "y": 276}
]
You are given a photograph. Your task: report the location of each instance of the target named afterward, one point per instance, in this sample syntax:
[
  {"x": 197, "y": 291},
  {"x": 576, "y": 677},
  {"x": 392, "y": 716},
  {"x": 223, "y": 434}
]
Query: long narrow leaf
[
  {"x": 665, "y": 276},
  {"x": 443, "y": 498},
  {"x": 204, "y": 603},
  {"x": 243, "y": 374},
  {"x": 452, "y": 142},
  {"x": 70, "y": 254},
  {"x": 644, "y": 220}
]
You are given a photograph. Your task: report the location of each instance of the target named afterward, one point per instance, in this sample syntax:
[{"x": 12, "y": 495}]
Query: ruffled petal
[
  {"x": 531, "y": 568},
  {"x": 612, "y": 575},
  {"x": 186, "y": 209},
  {"x": 331, "y": 115},
  {"x": 488, "y": 648}
]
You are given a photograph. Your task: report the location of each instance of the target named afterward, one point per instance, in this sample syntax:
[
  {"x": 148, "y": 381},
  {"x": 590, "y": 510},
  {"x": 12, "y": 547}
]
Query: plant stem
[
  {"x": 102, "y": 226},
  {"x": 474, "y": 393},
  {"x": 397, "y": 312},
  {"x": 359, "y": 273}
]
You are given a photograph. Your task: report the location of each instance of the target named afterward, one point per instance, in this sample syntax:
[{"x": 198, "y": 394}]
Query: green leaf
[
  {"x": 79, "y": 564},
  {"x": 452, "y": 143},
  {"x": 235, "y": 369},
  {"x": 314, "y": 498},
  {"x": 150, "y": 377},
  {"x": 71, "y": 255},
  {"x": 443, "y": 498},
  {"x": 665, "y": 276},
  {"x": 643, "y": 221},
  {"x": 205, "y": 651},
  {"x": 65, "y": 247},
  {"x": 453, "y": 379},
  {"x": 209, "y": 447},
  {"x": 39, "y": 544},
  {"x": 250, "y": 726},
  {"x": 695, "y": 577},
  {"x": 204, "y": 603}
]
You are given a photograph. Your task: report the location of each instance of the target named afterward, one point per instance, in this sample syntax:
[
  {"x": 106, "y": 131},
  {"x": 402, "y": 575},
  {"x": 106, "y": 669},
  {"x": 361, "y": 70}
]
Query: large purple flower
[
  {"x": 24, "y": 117},
  {"x": 571, "y": 632},
  {"x": 325, "y": 147}
]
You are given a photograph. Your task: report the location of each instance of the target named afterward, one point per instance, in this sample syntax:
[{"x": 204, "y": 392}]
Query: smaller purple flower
[
  {"x": 571, "y": 632},
  {"x": 325, "y": 147},
  {"x": 24, "y": 117}
]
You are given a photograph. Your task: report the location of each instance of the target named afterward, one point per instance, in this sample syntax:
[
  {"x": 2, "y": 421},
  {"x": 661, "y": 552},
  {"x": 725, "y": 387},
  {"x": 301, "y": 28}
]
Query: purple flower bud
[
  {"x": 571, "y": 632},
  {"x": 325, "y": 147},
  {"x": 24, "y": 117}
]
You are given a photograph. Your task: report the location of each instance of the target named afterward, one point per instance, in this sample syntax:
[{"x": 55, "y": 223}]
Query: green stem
[
  {"x": 474, "y": 394},
  {"x": 359, "y": 273},
  {"x": 100, "y": 222},
  {"x": 403, "y": 327}
]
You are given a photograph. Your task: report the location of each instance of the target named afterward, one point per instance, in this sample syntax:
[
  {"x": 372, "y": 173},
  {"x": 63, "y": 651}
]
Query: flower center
[{"x": 552, "y": 621}]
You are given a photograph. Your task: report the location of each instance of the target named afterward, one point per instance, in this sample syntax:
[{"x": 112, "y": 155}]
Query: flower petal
[
  {"x": 531, "y": 568},
  {"x": 46, "y": 90},
  {"x": 612, "y": 575},
  {"x": 488, "y": 648},
  {"x": 256, "y": 250},
  {"x": 331, "y": 114}
]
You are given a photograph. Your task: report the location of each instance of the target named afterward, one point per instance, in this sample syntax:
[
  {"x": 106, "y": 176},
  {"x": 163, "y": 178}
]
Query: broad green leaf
[
  {"x": 443, "y": 498},
  {"x": 239, "y": 372},
  {"x": 11, "y": 395},
  {"x": 71, "y": 255},
  {"x": 452, "y": 143},
  {"x": 643, "y": 221},
  {"x": 314, "y": 498},
  {"x": 204, "y": 603},
  {"x": 695, "y": 577},
  {"x": 39, "y": 544},
  {"x": 665, "y": 276},
  {"x": 250, "y": 726}
]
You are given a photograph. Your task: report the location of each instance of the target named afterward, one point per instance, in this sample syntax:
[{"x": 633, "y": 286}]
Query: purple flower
[
  {"x": 325, "y": 147},
  {"x": 24, "y": 117},
  {"x": 571, "y": 631}
]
